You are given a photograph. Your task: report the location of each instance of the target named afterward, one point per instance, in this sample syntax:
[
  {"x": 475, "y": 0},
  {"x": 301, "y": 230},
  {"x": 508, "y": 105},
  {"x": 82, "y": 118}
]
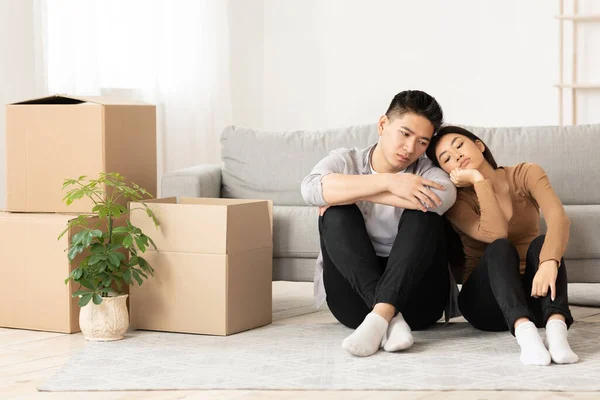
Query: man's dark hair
[
  {"x": 416, "y": 102},
  {"x": 487, "y": 154}
]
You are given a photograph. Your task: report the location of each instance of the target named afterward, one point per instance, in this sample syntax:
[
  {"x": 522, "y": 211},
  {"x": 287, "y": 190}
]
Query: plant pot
[{"x": 107, "y": 321}]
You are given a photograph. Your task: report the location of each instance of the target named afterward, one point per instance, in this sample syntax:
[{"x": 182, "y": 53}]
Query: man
[{"x": 383, "y": 266}]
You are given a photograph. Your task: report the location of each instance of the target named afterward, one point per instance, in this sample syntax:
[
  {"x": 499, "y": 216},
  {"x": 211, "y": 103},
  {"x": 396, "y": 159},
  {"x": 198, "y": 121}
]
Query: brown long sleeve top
[{"x": 479, "y": 220}]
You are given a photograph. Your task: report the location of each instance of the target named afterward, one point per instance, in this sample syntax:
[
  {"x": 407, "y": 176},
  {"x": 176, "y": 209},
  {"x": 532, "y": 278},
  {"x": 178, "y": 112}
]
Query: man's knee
[
  {"x": 430, "y": 221},
  {"x": 340, "y": 218}
]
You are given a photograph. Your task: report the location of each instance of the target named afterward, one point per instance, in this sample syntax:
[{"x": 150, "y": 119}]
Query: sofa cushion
[
  {"x": 584, "y": 231},
  {"x": 295, "y": 232},
  {"x": 566, "y": 153},
  {"x": 269, "y": 165}
]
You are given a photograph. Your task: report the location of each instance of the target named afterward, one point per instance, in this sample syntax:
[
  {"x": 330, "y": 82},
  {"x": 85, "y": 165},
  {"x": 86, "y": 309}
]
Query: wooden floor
[{"x": 28, "y": 358}]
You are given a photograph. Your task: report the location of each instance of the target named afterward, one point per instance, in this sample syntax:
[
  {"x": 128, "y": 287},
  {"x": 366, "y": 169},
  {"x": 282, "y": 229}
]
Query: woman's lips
[{"x": 464, "y": 162}]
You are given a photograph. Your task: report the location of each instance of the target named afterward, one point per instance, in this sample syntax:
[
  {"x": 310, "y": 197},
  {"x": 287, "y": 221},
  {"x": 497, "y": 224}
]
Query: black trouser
[
  {"x": 414, "y": 278},
  {"x": 495, "y": 295}
]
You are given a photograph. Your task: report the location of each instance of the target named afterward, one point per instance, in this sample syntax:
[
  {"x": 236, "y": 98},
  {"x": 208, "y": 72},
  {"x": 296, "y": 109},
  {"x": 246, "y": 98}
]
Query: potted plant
[{"x": 113, "y": 253}]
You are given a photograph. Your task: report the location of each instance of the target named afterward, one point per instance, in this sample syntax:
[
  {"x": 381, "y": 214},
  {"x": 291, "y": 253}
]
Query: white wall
[
  {"x": 21, "y": 76},
  {"x": 329, "y": 63}
]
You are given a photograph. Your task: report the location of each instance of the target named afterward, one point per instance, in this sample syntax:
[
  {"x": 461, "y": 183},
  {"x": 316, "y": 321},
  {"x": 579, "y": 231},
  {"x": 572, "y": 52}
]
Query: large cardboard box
[
  {"x": 213, "y": 268},
  {"x": 54, "y": 138},
  {"x": 34, "y": 266}
]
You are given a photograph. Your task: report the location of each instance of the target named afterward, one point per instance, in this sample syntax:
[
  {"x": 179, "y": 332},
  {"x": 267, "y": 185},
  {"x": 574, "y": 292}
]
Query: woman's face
[{"x": 457, "y": 151}]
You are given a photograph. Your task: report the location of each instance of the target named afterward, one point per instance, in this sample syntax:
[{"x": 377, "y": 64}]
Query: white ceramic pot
[{"x": 107, "y": 321}]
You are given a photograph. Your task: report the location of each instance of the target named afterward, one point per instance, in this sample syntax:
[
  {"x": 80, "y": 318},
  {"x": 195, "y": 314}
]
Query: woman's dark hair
[{"x": 487, "y": 154}]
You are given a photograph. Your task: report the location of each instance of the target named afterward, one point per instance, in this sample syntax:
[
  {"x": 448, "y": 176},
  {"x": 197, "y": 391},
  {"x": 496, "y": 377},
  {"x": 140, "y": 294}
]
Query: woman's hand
[
  {"x": 465, "y": 177},
  {"x": 545, "y": 278}
]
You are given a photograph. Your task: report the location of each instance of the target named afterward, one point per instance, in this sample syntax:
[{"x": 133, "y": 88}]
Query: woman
[{"x": 513, "y": 278}]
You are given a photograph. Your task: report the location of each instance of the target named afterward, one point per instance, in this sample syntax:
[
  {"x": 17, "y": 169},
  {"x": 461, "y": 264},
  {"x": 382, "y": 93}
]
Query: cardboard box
[
  {"x": 35, "y": 265},
  {"x": 54, "y": 138},
  {"x": 213, "y": 268}
]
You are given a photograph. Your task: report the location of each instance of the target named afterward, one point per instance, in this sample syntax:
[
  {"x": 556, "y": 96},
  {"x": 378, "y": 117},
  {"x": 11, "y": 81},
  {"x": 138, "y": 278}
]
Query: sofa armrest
[{"x": 199, "y": 181}]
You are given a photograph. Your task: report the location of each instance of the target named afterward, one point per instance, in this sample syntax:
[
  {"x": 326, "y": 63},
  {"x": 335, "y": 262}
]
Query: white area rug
[{"x": 291, "y": 356}]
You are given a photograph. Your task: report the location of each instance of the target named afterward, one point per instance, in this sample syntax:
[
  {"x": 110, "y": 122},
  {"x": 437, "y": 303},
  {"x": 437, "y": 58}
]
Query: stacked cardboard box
[
  {"x": 48, "y": 140},
  {"x": 213, "y": 267}
]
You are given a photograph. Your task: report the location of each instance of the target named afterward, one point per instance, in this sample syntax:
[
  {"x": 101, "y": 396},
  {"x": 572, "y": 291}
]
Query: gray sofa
[{"x": 271, "y": 165}]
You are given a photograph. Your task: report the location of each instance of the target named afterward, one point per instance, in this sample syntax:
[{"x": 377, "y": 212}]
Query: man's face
[{"x": 403, "y": 139}]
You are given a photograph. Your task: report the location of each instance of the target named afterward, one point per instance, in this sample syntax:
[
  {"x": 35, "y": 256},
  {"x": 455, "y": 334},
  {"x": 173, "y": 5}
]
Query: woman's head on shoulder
[{"x": 455, "y": 147}]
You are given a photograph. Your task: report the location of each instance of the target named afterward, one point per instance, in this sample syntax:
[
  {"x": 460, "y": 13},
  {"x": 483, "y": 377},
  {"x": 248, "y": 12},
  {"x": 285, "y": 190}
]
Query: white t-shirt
[{"x": 382, "y": 225}]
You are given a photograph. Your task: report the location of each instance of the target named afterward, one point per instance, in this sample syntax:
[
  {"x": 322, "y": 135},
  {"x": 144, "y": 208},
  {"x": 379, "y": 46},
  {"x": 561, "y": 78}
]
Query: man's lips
[{"x": 403, "y": 158}]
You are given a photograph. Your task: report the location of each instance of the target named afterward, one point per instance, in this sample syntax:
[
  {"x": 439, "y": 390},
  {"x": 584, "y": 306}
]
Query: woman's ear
[{"x": 480, "y": 145}]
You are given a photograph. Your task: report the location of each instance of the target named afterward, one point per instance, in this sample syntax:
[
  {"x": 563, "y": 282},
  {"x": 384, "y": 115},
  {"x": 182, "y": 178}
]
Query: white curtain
[{"x": 172, "y": 53}]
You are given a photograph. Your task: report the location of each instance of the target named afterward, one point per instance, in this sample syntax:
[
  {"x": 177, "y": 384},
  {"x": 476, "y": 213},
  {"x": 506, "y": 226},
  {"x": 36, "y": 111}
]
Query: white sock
[
  {"x": 533, "y": 351},
  {"x": 367, "y": 338},
  {"x": 558, "y": 346},
  {"x": 398, "y": 335}
]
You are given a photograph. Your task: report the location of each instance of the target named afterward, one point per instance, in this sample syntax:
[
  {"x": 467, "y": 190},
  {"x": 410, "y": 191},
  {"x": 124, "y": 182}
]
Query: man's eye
[{"x": 460, "y": 145}]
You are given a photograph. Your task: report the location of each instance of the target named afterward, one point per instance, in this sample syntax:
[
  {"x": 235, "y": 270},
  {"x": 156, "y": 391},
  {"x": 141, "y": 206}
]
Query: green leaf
[
  {"x": 97, "y": 299},
  {"x": 140, "y": 244},
  {"x": 142, "y": 273},
  {"x": 133, "y": 261},
  {"x": 79, "y": 293},
  {"x": 94, "y": 259},
  {"x": 96, "y": 233},
  {"x": 74, "y": 251},
  {"x": 114, "y": 259},
  {"x": 78, "y": 237},
  {"x": 97, "y": 248},
  {"x": 107, "y": 282},
  {"x": 85, "y": 299},
  {"x": 136, "y": 276},
  {"x": 87, "y": 240},
  {"x": 127, "y": 275},
  {"x": 68, "y": 182},
  {"x": 143, "y": 263},
  {"x": 128, "y": 241},
  {"x": 152, "y": 242},
  {"x": 77, "y": 274},
  {"x": 120, "y": 229},
  {"x": 86, "y": 283},
  {"x": 114, "y": 246}
]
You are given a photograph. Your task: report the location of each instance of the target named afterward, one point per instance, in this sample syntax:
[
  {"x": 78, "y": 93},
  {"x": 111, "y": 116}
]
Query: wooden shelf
[
  {"x": 579, "y": 18},
  {"x": 578, "y": 86}
]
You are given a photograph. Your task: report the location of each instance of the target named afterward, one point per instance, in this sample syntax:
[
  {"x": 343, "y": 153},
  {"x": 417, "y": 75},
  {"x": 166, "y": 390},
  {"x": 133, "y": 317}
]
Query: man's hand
[
  {"x": 545, "y": 278},
  {"x": 415, "y": 189},
  {"x": 465, "y": 177}
]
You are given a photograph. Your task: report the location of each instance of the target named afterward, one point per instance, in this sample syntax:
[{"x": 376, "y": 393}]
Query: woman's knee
[
  {"x": 535, "y": 247},
  {"x": 501, "y": 248}
]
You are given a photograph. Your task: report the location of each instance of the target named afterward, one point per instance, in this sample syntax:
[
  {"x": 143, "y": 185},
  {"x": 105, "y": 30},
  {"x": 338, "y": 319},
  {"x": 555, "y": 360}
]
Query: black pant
[
  {"x": 495, "y": 295},
  {"x": 414, "y": 278}
]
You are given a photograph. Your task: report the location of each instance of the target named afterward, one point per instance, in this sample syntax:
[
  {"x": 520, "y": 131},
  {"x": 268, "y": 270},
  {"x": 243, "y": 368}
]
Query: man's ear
[
  {"x": 480, "y": 145},
  {"x": 383, "y": 121}
]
